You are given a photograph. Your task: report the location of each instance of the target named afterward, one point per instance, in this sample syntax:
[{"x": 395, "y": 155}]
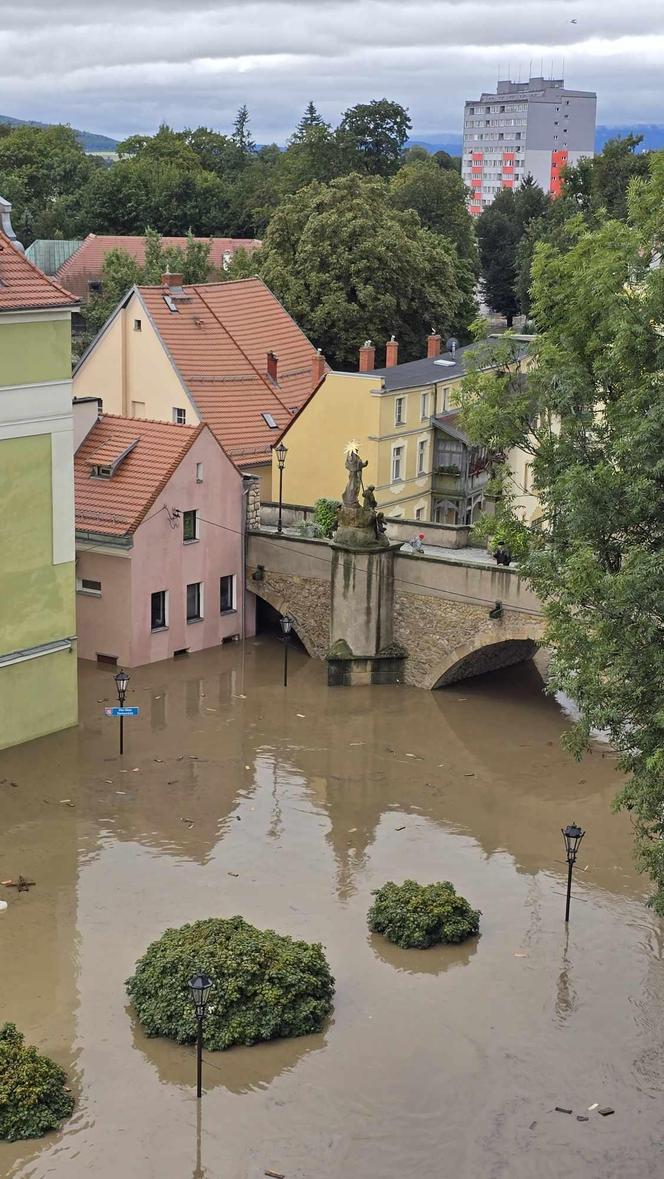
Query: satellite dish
[{"x": 451, "y": 345}]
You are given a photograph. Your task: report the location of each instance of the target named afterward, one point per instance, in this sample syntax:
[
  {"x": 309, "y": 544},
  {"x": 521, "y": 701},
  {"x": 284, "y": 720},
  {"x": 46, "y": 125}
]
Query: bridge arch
[
  {"x": 280, "y": 603},
  {"x": 488, "y": 650}
]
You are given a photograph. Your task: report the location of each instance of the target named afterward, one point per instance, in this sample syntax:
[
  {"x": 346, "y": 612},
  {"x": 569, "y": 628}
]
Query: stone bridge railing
[{"x": 441, "y": 607}]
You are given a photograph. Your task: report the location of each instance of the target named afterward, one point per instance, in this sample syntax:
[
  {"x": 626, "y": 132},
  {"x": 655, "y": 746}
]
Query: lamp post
[
  {"x": 281, "y": 453},
  {"x": 121, "y": 681},
  {"x": 572, "y": 836},
  {"x": 200, "y": 986},
  {"x": 286, "y": 625}
]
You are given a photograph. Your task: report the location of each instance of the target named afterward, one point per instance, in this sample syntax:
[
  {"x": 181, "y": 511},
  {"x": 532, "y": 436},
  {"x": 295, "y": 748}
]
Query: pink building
[{"x": 159, "y": 539}]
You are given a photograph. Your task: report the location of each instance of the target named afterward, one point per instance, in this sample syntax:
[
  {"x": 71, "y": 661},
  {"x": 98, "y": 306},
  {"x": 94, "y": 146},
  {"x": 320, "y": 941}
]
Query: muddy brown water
[{"x": 289, "y": 807}]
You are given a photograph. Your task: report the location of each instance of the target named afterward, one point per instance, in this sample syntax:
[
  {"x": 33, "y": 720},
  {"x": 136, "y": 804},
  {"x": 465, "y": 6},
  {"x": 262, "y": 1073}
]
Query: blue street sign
[{"x": 122, "y": 711}]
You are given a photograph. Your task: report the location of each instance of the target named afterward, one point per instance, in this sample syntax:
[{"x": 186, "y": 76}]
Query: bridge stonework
[{"x": 441, "y": 607}]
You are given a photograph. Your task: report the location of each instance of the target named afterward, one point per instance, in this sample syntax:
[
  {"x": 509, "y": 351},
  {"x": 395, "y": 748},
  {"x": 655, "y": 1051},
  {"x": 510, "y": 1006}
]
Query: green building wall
[{"x": 35, "y": 351}]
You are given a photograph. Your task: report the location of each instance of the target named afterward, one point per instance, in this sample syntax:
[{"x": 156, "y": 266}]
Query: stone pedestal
[{"x": 362, "y": 650}]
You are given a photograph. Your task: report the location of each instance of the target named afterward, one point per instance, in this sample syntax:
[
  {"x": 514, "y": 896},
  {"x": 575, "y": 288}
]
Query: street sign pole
[{"x": 121, "y": 735}]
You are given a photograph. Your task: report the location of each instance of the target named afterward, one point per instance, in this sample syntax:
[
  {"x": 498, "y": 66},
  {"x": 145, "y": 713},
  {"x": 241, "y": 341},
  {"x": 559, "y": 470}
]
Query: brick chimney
[
  {"x": 272, "y": 362},
  {"x": 367, "y": 357},
  {"x": 391, "y": 353},
  {"x": 171, "y": 280},
  {"x": 433, "y": 345},
  {"x": 317, "y": 368}
]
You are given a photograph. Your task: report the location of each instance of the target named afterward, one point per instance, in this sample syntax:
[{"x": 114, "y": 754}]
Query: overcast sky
[{"x": 120, "y": 66}]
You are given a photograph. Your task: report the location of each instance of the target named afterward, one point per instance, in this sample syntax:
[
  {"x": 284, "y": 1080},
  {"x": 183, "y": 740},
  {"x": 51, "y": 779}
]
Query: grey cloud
[{"x": 124, "y": 65}]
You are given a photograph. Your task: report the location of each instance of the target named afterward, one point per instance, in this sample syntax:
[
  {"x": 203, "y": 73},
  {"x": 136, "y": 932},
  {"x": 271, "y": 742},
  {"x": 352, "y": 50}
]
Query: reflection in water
[
  {"x": 290, "y": 807},
  {"x": 434, "y": 960},
  {"x": 238, "y": 1070}
]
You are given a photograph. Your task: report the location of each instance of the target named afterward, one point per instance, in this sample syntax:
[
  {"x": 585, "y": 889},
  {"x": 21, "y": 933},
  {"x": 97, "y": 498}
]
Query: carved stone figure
[
  {"x": 354, "y": 466},
  {"x": 359, "y": 526}
]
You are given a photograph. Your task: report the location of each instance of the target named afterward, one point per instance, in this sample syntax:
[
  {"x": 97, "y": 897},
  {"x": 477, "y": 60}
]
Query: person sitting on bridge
[
  {"x": 502, "y": 552},
  {"x": 416, "y": 544}
]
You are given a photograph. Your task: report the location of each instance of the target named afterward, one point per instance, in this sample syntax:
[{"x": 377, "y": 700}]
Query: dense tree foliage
[
  {"x": 34, "y": 1097},
  {"x": 264, "y": 985},
  {"x": 438, "y": 195},
  {"x": 416, "y": 916},
  {"x": 500, "y": 229},
  {"x": 349, "y": 266},
  {"x": 591, "y": 416}
]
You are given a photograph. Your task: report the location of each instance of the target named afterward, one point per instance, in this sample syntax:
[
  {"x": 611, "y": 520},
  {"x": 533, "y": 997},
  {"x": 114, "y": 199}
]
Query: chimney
[
  {"x": 433, "y": 345},
  {"x": 171, "y": 280},
  {"x": 317, "y": 368},
  {"x": 367, "y": 357},
  {"x": 272, "y": 361},
  {"x": 391, "y": 353},
  {"x": 6, "y": 224}
]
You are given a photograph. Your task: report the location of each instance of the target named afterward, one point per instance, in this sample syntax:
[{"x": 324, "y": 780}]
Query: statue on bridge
[{"x": 359, "y": 526}]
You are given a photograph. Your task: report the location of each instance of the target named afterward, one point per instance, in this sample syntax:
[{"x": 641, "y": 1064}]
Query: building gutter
[{"x": 53, "y": 648}]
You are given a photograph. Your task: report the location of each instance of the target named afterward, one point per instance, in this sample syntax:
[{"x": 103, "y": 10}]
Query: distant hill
[
  {"x": 88, "y": 140},
  {"x": 452, "y": 144},
  {"x": 653, "y": 135}
]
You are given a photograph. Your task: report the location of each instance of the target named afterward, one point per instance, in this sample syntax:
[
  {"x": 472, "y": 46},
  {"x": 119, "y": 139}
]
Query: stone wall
[
  {"x": 253, "y": 501},
  {"x": 307, "y": 600}
]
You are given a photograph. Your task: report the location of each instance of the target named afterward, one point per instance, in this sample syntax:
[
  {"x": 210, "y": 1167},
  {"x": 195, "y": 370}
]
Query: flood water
[{"x": 289, "y": 806}]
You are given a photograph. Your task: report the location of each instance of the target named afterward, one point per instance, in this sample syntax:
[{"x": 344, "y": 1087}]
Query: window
[
  {"x": 158, "y": 615},
  {"x": 421, "y": 456},
  {"x": 189, "y": 526},
  {"x": 101, "y": 471},
  {"x": 194, "y": 601},
  {"x": 227, "y": 594},
  {"x": 269, "y": 420},
  {"x": 199, "y": 472},
  {"x": 397, "y": 458},
  {"x": 419, "y": 513},
  {"x": 138, "y": 326},
  {"x": 399, "y": 411},
  {"x": 85, "y": 585},
  {"x": 179, "y": 416},
  {"x": 424, "y": 406}
]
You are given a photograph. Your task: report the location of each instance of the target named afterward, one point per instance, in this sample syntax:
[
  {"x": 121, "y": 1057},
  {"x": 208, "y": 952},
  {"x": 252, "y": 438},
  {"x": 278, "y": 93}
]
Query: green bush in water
[
  {"x": 415, "y": 916},
  {"x": 33, "y": 1094},
  {"x": 265, "y": 985}
]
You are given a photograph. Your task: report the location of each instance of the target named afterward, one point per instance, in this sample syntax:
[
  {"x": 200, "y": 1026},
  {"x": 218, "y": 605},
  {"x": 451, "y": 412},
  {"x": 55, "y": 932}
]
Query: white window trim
[
  {"x": 424, "y": 404},
  {"x": 201, "y": 603},
  {"x": 402, "y": 446},
  {"x": 89, "y": 593},
  {"x": 197, "y": 531},
  {"x": 422, "y": 442},
  {"x": 199, "y": 472},
  {"x": 156, "y": 630},
  {"x": 232, "y": 609},
  {"x": 403, "y": 401},
  {"x": 176, "y": 410}
]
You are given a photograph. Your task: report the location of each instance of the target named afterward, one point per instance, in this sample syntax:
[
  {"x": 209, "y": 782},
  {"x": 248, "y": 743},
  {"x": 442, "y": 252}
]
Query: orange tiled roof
[
  {"x": 23, "y": 287},
  {"x": 116, "y": 506},
  {"x": 89, "y": 257},
  {"x": 219, "y": 339}
]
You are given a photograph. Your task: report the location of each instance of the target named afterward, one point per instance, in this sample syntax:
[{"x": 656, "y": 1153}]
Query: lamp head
[
  {"x": 286, "y": 623},
  {"x": 281, "y": 451},
  {"x": 572, "y": 836},
  {"x": 200, "y": 986},
  {"x": 121, "y": 681}
]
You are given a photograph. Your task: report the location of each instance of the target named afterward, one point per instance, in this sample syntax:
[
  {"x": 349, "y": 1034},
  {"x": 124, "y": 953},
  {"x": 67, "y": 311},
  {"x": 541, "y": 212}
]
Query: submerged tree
[{"x": 591, "y": 415}]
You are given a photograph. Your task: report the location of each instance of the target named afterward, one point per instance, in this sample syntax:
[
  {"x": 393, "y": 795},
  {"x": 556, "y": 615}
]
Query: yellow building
[{"x": 404, "y": 419}]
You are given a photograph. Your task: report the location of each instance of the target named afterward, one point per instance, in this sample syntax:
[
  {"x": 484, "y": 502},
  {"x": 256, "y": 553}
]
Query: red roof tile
[
  {"x": 219, "y": 339},
  {"x": 116, "y": 506},
  {"x": 23, "y": 287},
  {"x": 89, "y": 257}
]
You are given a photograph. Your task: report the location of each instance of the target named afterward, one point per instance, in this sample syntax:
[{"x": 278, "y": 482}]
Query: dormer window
[{"x": 101, "y": 471}]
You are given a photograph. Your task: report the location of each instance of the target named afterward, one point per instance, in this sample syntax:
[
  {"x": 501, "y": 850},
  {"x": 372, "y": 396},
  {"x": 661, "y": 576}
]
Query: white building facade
[{"x": 532, "y": 128}]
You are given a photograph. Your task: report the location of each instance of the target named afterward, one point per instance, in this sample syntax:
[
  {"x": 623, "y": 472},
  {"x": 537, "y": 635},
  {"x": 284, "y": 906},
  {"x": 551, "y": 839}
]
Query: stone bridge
[{"x": 441, "y": 607}]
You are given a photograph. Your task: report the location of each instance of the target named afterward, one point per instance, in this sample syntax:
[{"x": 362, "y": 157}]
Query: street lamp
[
  {"x": 281, "y": 453},
  {"x": 572, "y": 836},
  {"x": 286, "y": 626},
  {"x": 200, "y": 986},
  {"x": 121, "y": 681}
]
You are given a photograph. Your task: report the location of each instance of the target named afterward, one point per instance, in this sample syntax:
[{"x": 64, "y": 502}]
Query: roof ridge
[
  {"x": 151, "y": 421},
  {"x": 239, "y": 347}
]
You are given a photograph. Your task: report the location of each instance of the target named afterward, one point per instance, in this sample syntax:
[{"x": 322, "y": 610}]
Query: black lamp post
[
  {"x": 200, "y": 986},
  {"x": 286, "y": 625},
  {"x": 572, "y": 836},
  {"x": 121, "y": 681},
  {"x": 281, "y": 453}
]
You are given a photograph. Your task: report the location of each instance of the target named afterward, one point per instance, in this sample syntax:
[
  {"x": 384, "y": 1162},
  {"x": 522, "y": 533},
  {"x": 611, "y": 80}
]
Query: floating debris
[
  {"x": 21, "y": 885},
  {"x": 562, "y": 1109},
  {"x": 606, "y": 1111}
]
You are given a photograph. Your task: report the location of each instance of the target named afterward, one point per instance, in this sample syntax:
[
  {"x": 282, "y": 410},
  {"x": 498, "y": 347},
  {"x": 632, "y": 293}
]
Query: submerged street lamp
[
  {"x": 286, "y": 626},
  {"x": 200, "y": 986},
  {"x": 281, "y": 452},
  {"x": 572, "y": 836},
  {"x": 121, "y": 681}
]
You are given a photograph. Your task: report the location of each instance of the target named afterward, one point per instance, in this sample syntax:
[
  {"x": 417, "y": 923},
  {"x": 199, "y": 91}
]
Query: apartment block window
[
  {"x": 194, "y": 601},
  {"x": 199, "y": 472},
  {"x": 85, "y": 585},
  {"x": 179, "y": 416},
  {"x": 424, "y": 406},
  {"x": 421, "y": 456},
  {"x": 158, "y": 616},
  {"x": 397, "y": 462},
  {"x": 138, "y": 326},
  {"x": 227, "y": 594},
  {"x": 189, "y": 526},
  {"x": 399, "y": 411}
]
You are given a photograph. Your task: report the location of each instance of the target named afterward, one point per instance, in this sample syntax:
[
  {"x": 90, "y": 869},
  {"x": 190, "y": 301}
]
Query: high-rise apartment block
[{"x": 526, "y": 128}]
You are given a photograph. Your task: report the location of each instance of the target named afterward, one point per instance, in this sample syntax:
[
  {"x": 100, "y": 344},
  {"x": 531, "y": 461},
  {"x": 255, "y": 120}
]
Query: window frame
[
  {"x": 92, "y": 590},
  {"x": 424, "y": 406},
  {"x": 398, "y": 456},
  {"x": 162, "y": 625},
  {"x": 178, "y": 409},
  {"x": 185, "y": 518},
  {"x": 198, "y": 585},
  {"x": 400, "y": 411},
  {"x": 421, "y": 456},
  {"x": 232, "y": 609}
]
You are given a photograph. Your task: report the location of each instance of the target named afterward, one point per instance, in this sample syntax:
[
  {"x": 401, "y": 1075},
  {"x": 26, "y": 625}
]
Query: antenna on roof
[{"x": 451, "y": 345}]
